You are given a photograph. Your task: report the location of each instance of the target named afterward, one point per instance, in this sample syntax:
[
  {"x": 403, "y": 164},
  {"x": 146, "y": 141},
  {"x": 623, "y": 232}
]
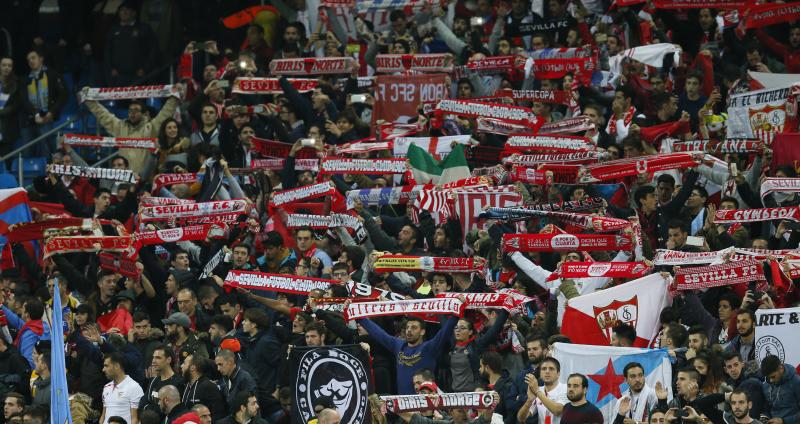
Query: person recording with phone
[{"x": 689, "y": 403}]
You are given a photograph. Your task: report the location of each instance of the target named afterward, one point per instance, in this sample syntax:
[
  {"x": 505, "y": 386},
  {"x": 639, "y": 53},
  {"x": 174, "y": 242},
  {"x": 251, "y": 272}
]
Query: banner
[
  {"x": 120, "y": 264},
  {"x": 510, "y": 300},
  {"x": 776, "y": 334},
  {"x": 496, "y": 126},
  {"x": 162, "y": 180},
  {"x": 603, "y": 366},
  {"x": 583, "y": 205},
  {"x": 548, "y": 143},
  {"x": 163, "y": 201},
  {"x": 737, "y": 145},
  {"x": 727, "y": 274},
  {"x": 585, "y": 221},
  {"x": 701, "y": 4},
  {"x": 245, "y": 85},
  {"x": 581, "y": 67},
  {"x": 436, "y": 306},
  {"x": 123, "y": 93},
  {"x": 277, "y": 149},
  {"x": 762, "y": 113},
  {"x": 313, "y": 66},
  {"x": 341, "y": 374},
  {"x": 397, "y": 97},
  {"x": 436, "y": 63},
  {"x": 535, "y": 160},
  {"x": 756, "y": 215},
  {"x": 334, "y": 165},
  {"x": 628, "y": 167},
  {"x": 122, "y": 175},
  {"x": 59, "y": 245},
  {"x": 438, "y": 401},
  {"x": 173, "y": 235},
  {"x": 114, "y": 142},
  {"x": 628, "y": 270},
  {"x": 779, "y": 185},
  {"x": 277, "y": 164},
  {"x": 591, "y": 318},
  {"x": 313, "y": 191},
  {"x": 564, "y": 242},
  {"x": 363, "y": 147},
  {"x": 193, "y": 210},
  {"x": 37, "y": 230},
  {"x": 397, "y": 263},
  {"x": 291, "y": 284}
]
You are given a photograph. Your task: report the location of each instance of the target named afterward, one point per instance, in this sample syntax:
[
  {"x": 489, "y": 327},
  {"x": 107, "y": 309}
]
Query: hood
[{"x": 788, "y": 373}]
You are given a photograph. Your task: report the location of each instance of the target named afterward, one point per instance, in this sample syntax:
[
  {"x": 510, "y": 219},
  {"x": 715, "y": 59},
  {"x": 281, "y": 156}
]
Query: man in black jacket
[
  {"x": 261, "y": 356},
  {"x": 199, "y": 389},
  {"x": 169, "y": 400},
  {"x": 46, "y": 96},
  {"x": 234, "y": 378},
  {"x": 244, "y": 410}
]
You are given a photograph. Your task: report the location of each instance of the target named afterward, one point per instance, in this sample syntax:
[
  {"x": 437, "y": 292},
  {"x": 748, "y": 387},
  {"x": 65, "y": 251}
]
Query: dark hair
[
  {"x": 356, "y": 255},
  {"x": 426, "y": 374},
  {"x": 493, "y": 360},
  {"x": 117, "y": 358},
  {"x": 223, "y": 321},
  {"x": 698, "y": 329},
  {"x": 693, "y": 374},
  {"x": 316, "y": 326},
  {"x": 167, "y": 349},
  {"x": 733, "y": 200},
  {"x": 625, "y": 331},
  {"x": 163, "y": 143},
  {"x": 414, "y": 319},
  {"x": 124, "y": 160},
  {"x": 227, "y": 299},
  {"x": 703, "y": 192},
  {"x": 659, "y": 100},
  {"x": 37, "y": 412},
  {"x": 100, "y": 191},
  {"x": 553, "y": 361},
  {"x": 273, "y": 239},
  {"x": 697, "y": 75},
  {"x": 339, "y": 266},
  {"x": 140, "y": 316},
  {"x": 677, "y": 333},
  {"x": 788, "y": 170},
  {"x": 751, "y": 313},
  {"x": 536, "y": 337},
  {"x": 666, "y": 178},
  {"x": 627, "y": 92},
  {"x": 641, "y": 193},
  {"x": 35, "y": 308},
  {"x": 668, "y": 315},
  {"x": 418, "y": 239},
  {"x": 339, "y": 290},
  {"x": 240, "y": 400},
  {"x": 558, "y": 338},
  {"x": 727, "y": 356},
  {"x": 204, "y": 366},
  {"x": 584, "y": 380},
  {"x": 448, "y": 278},
  {"x": 257, "y": 317},
  {"x": 732, "y": 298},
  {"x": 396, "y": 14},
  {"x": 740, "y": 392},
  {"x": 466, "y": 81},
  {"x": 679, "y": 224},
  {"x": 18, "y": 396},
  {"x": 630, "y": 366}
]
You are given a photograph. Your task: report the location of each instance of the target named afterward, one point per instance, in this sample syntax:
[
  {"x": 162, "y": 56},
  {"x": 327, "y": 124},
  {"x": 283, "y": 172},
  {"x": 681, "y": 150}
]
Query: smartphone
[
  {"x": 223, "y": 83},
  {"x": 358, "y": 98},
  {"x": 308, "y": 142},
  {"x": 734, "y": 170},
  {"x": 476, "y": 21},
  {"x": 258, "y": 109},
  {"x": 695, "y": 241}
]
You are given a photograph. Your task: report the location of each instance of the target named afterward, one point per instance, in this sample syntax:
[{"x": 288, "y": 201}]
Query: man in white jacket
[{"x": 639, "y": 399}]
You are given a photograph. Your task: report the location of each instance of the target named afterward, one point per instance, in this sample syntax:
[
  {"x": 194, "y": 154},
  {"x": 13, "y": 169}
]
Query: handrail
[
  {"x": 41, "y": 137},
  {"x": 104, "y": 160}
]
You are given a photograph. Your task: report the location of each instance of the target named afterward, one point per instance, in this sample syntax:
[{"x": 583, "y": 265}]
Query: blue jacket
[
  {"x": 783, "y": 399},
  {"x": 28, "y": 339},
  {"x": 410, "y": 359}
]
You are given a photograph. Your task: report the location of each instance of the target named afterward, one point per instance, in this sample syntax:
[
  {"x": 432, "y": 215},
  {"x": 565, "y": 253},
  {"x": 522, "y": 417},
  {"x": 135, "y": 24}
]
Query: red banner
[
  {"x": 564, "y": 242},
  {"x": 277, "y": 149},
  {"x": 616, "y": 169},
  {"x": 58, "y": 245},
  {"x": 397, "y": 97},
  {"x": 736, "y": 145},
  {"x": 756, "y": 215},
  {"x": 762, "y": 15},
  {"x": 387, "y": 63},
  {"x": 725, "y": 274},
  {"x": 162, "y": 180},
  {"x": 701, "y": 4}
]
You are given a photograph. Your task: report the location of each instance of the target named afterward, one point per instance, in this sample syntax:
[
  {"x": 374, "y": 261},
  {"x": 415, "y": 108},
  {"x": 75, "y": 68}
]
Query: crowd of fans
[{"x": 193, "y": 345}]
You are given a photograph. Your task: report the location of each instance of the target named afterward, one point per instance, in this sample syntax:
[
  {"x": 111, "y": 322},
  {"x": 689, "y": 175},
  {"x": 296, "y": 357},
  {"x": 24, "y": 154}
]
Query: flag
[
  {"x": 439, "y": 147},
  {"x": 14, "y": 209},
  {"x": 339, "y": 374},
  {"x": 59, "y": 395},
  {"x": 603, "y": 366},
  {"x": 615, "y": 194},
  {"x": 471, "y": 202},
  {"x": 590, "y": 318},
  {"x": 426, "y": 169}
]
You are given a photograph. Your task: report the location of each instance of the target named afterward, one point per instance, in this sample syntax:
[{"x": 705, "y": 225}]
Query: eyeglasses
[{"x": 461, "y": 327}]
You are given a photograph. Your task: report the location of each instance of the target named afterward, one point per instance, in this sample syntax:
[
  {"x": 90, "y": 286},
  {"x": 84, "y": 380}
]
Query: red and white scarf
[
  {"x": 362, "y": 166},
  {"x": 59, "y": 245},
  {"x": 163, "y": 201},
  {"x": 357, "y": 148},
  {"x": 726, "y": 274},
  {"x": 568, "y": 126},
  {"x": 277, "y": 149},
  {"x": 318, "y": 222},
  {"x": 38, "y": 230},
  {"x": 511, "y": 301},
  {"x": 756, "y": 215},
  {"x": 132, "y": 92},
  {"x": 490, "y": 66},
  {"x": 560, "y": 97},
  {"x": 121, "y": 264},
  {"x": 435, "y": 306},
  {"x": 628, "y": 270},
  {"x": 244, "y": 85},
  {"x": 585, "y": 221},
  {"x": 308, "y": 192},
  {"x": 390, "y": 63},
  {"x": 281, "y": 283},
  {"x": 564, "y": 242},
  {"x": 781, "y": 185},
  {"x": 313, "y": 66},
  {"x": 617, "y": 169},
  {"x": 410, "y": 403},
  {"x": 406, "y": 263},
  {"x": 173, "y": 235},
  {"x": 115, "y": 142},
  {"x": 495, "y": 126},
  {"x": 584, "y": 205},
  {"x": 731, "y": 145},
  {"x": 580, "y": 67},
  {"x": 548, "y": 143},
  {"x": 194, "y": 210},
  {"x": 761, "y": 15},
  {"x": 122, "y": 175},
  {"x": 466, "y": 108},
  {"x": 585, "y": 157},
  {"x": 562, "y": 174},
  {"x": 627, "y": 118},
  {"x": 165, "y": 180},
  {"x": 703, "y": 4},
  {"x": 277, "y": 164},
  {"x": 398, "y": 195}
]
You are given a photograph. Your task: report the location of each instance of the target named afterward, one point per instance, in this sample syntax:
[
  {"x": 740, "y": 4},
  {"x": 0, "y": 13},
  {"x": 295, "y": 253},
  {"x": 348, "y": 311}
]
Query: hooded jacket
[{"x": 783, "y": 399}]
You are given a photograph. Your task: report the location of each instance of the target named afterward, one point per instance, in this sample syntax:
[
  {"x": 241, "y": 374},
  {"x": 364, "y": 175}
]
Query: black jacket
[
  {"x": 262, "y": 356},
  {"x": 240, "y": 381},
  {"x": 206, "y": 392},
  {"x": 9, "y": 114},
  {"x": 56, "y": 94}
]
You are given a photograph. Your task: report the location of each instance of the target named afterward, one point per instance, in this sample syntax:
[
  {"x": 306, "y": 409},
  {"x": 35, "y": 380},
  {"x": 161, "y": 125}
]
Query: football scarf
[
  {"x": 363, "y": 166},
  {"x": 173, "y": 235},
  {"x": 277, "y": 164},
  {"x": 391, "y": 63},
  {"x": 60, "y": 245},
  {"x": 735, "y": 145},
  {"x": 535, "y": 160},
  {"x": 627, "y": 270},
  {"x": 308, "y": 192},
  {"x": 726, "y": 274},
  {"x": 470, "y": 109},
  {"x": 435, "y": 306},
  {"x": 386, "y": 195},
  {"x": 617, "y": 169},
  {"x": 132, "y": 92},
  {"x": 194, "y": 210},
  {"x": 425, "y": 402},
  {"x": 83, "y": 140},
  {"x": 780, "y": 185},
  {"x": 738, "y": 216},
  {"x": 121, "y": 175},
  {"x": 564, "y": 242},
  {"x": 548, "y": 143},
  {"x": 280, "y": 283},
  {"x": 510, "y": 300},
  {"x": 270, "y": 85},
  {"x": 125, "y": 266},
  {"x": 313, "y": 66},
  {"x": 404, "y": 263},
  {"x": 165, "y": 180}
]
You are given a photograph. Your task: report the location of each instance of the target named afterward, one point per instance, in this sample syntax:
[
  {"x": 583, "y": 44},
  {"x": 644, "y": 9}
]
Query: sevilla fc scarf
[
  {"x": 627, "y": 118},
  {"x": 436, "y": 306},
  {"x": 581, "y": 67},
  {"x": 173, "y": 235},
  {"x": 357, "y": 148},
  {"x": 532, "y": 28},
  {"x": 534, "y": 160},
  {"x": 277, "y": 149},
  {"x": 726, "y": 274},
  {"x": 362, "y": 166},
  {"x": 548, "y": 143},
  {"x": 163, "y": 201},
  {"x": 628, "y": 270},
  {"x": 270, "y": 85},
  {"x": 162, "y": 180},
  {"x": 588, "y": 222},
  {"x": 403, "y": 263},
  {"x": 387, "y": 195},
  {"x": 496, "y": 126},
  {"x": 308, "y": 192},
  {"x": 122, "y": 175},
  {"x": 426, "y": 402},
  {"x": 568, "y": 126},
  {"x": 731, "y": 145},
  {"x": 318, "y": 222},
  {"x": 761, "y": 15},
  {"x": 391, "y": 63},
  {"x": 115, "y": 142},
  {"x": 756, "y": 215},
  {"x": 512, "y": 114},
  {"x": 313, "y": 66},
  {"x": 38, "y": 230},
  {"x": 132, "y": 92},
  {"x": 783, "y": 186},
  {"x": 512, "y": 302},
  {"x": 489, "y": 66},
  {"x": 281, "y": 283},
  {"x": 60, "y": 245},
  {"x": 277, "y": 164},
  {"x": 561, "y": 97},
  {"x": 564, "y": 242},
  {"x": 584, "y": 205},
  {"x": 617, "y": 169},
  {"x": 194, "y": 210},
  {"x": 121, "y": 264},
  {"x": 702, "y": 4}
]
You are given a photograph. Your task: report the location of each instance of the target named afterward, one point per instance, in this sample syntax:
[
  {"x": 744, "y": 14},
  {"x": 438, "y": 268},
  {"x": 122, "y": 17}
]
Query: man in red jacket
[{"x": 790, "y": 53}]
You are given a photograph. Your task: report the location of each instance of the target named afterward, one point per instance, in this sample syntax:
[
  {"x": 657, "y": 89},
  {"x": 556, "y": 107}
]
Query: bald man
[
  {"x": 328, "y": 416},
  {"x": 169, "y": 400}
]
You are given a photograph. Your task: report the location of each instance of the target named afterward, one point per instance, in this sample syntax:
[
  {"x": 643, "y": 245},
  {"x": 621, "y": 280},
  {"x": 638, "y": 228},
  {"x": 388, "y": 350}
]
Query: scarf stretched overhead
[
  {"x": 281, "y": 283},
  {"x": 617, "y": 169},
  {"x": 426, "y": 402},
  {"x": 194, "y": 210},
  {"x": 386, "y": 195},
  {"x": 548, "y": 143},
  {"x": 574, "y": 125},
  {"x": 435, "y": 306},
  {"x": 576, "y": 157},
  {"x": 512, "y": 301},
  {"x": 585, "y": 221},
  {"x": 512, "y": 114},
  {"x": 391, "y": 63},
  {"x": 271, "y": 85},
  {"x": 59, "y": 245},
  {"x": 755, "y": 215},
  {"x": 165, "y": 180},
  {"x": 119, "y": 263},
  {"x": 783, "y": 186},
  {"x": 38, "y": 230},
  {"x": 397, "y": 263},
  {"x": 163, "y": 201},
  {"x": 761, "y": 15},
  {"x": 726, "y": 274},
  {"x": 627, "y": 270},
  {"x": 114, "y": 142},
  {"x": 564, "y": 242},
  {"x": 313, "y": 66},
  {"x": 173, "y": 235},
  {"x": 132, "y": 92},
  {"x": 122, "y": 175},
  {"x": 277, "y": 164},
  {"x": 651, "y": 55},
  {"x": 308, "y": 192},
  {"x": 333, "y": 165},
  {"x": 731, "y": 145}
]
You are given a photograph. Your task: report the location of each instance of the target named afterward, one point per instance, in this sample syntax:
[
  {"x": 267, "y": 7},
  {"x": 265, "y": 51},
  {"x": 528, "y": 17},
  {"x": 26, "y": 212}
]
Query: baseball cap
[
  {"x": 178, "y": 318},
  {"x": 429, "y": 385}
]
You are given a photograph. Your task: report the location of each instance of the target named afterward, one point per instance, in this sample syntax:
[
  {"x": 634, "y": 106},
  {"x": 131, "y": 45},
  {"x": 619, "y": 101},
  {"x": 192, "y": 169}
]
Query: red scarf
[
  {"x": 611, "y": 128},
  {"x": 465, "y": 343},
  {"x": 34, "y": 325}
]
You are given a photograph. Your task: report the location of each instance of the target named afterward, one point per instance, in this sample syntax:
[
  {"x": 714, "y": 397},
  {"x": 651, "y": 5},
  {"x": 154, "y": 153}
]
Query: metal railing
[{"x": 18, "y": 151}]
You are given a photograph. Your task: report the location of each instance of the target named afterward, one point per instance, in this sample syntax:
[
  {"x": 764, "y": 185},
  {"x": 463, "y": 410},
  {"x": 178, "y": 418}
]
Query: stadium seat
[
  {"x": 31, "y": 168},
  {"x": 8, "y": 181}
]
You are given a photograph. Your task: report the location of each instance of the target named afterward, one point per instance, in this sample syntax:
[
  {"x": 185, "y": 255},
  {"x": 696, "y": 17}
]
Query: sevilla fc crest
[
  {"x": 769, "y": 119},
  {"x": 615, "y": 313}
]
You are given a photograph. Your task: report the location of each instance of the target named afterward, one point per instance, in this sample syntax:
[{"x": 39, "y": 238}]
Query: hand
[
  {"x": 685, "y": 117},
  {"x": 365, "y": 346},
  {"x": 775, "y": 421},
  {"x": 762, "y": 68},
  {"x": 747, "y": 300},
  {"x": 711, "y": 212},
  {"x": 670, "y": 415},
  {"x": 661, "y": 392},
  {"x": 211, "y": 47},
  {"x": 624, "y": 405},
  {"x": 691, "y": 414},
  {"x": 533, "y": 385}
]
